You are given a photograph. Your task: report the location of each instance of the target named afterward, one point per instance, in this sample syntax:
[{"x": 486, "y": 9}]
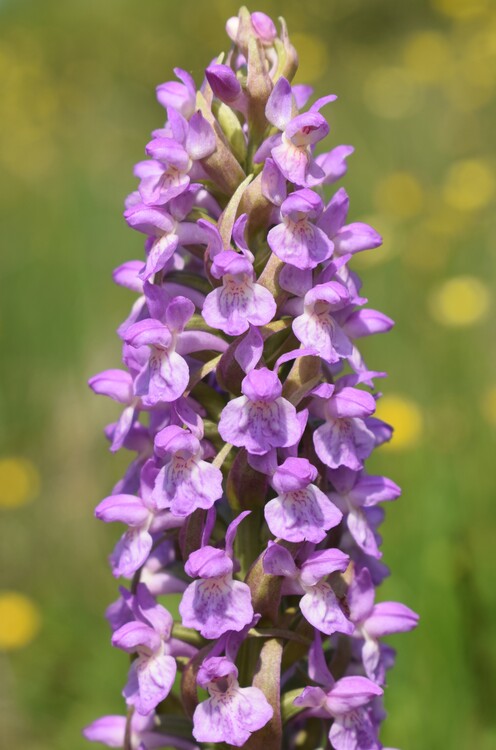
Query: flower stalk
[{"x": 250, "y": 411}]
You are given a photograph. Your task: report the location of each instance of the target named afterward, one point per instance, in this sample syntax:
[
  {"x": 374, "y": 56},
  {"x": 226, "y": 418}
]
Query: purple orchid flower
[
  {"x": 216, "y": 603},
  {"x": 347, "y": 701},
  {"x": 152, "y": 673},
  {"x": 319, "y": 604},
  {"x": 185, "y": 482},
  {"x": 299, "y": 240},
  {"x": 159, "y": 571},
  {"x": 168, "y": 173},
  {"x": 345, "y": 439},
  {"x": 231, "y": 713},
  {"x": 143, "y": 518},
  {"x": 373, "y": 621},
  {"x": 111, "y": 731},
  {"x": 240, "y": 301},
  {"x": 301, "y": 512},
  {"x": 260, "y": 419},
  {"x": 318, "y": 327},
  {"x": 354, "y": 494},
  {"x": 166, "y": 229},
  {"x": 292, "y": 150},
  {"x": 352, "y": 728},
  {"x": 165, "y": 374}
]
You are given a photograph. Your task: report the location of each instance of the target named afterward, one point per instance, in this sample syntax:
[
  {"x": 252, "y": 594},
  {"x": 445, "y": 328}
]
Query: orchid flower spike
[{"x": 250, "y": 413}]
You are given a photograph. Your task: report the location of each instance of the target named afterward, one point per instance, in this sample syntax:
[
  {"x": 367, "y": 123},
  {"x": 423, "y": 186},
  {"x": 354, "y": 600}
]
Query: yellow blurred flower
[
  {"x": 460, "y": 301},
  {"x": 462, "y": 10},
  {"x": 427, "y": 55},
  {"x": 30, "y": 107},
  {"x": 405, "y": 416},
  {"x": 391, "y": 92},
  {"x": 399, "y": 195},
  {"x": 488, "y": 405},
  {"x": 313, "y": 56},
  {"x": 19, "y": 481},
  {"x": 478, "y": 64},
  {"x": 20, "y": 620},
  {"x": 469, "y": 185}
]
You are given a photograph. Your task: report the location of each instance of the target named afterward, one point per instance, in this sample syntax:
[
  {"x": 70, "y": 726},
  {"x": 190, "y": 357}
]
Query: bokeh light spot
[
  {"x": 461, "y": 10},
  {"x": 20, "y": 620},
  {"x": 478, "y": 66},
  {"x": 405, "y": 416},
  {"x": 399, "y": 195},
  {"x": 19, "y": 482},
  {"x": 469, "y": 185},
  {"x": 488, "y": 405},
  {"x": 427, "y": 56},
  {"x": 391, "y": 92},
  {"x": 460, "y": 301},
  {"x": 313, "y": 56}
]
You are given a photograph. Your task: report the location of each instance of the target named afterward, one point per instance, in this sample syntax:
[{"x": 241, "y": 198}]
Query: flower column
[{"x": 250, "y": 412}]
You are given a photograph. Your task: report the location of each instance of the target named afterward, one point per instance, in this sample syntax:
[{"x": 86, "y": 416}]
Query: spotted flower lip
[
  {"x": 185, "y": 482},
  {"x": 165, "y": 374},
  {"x": 260, "y": 419},
  {"x": 216, "y": 603},
  {"x": 298, "y": 240},
  {"x": 319, "y": 326},
  {"x": 301, "y": 511},
  {"x": 231, "y": 713},
  {"x": 249, "y": 411},
  {"x": 240, "y": 301}
]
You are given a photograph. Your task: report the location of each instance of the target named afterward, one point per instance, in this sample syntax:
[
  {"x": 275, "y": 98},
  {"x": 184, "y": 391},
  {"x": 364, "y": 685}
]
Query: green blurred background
[{"x": 416, "y": 82}]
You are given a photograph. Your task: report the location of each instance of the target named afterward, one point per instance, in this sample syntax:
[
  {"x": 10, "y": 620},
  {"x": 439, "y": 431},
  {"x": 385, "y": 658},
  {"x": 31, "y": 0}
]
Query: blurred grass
[{"x": 416, "y": 84}]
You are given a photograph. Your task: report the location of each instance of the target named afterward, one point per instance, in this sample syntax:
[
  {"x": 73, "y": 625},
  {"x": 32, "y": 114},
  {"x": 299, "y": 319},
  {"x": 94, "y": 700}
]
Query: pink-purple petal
[
  {"x": 302, "y": 515},
  {"x": 130, "y": 552},
  {"x": 155, "y": 679},
  {"x": 343, "y": 442},
  {"x": 109, "y": 730},
  {"x": 279, "y": 107},
  {"x": 216, "y": 605},
  {"x": 320, "y": 607},
  {"x": 387, "y": 618},
  {"x": 349, "y": 693},
  {"x": 362, "y": 533}
]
